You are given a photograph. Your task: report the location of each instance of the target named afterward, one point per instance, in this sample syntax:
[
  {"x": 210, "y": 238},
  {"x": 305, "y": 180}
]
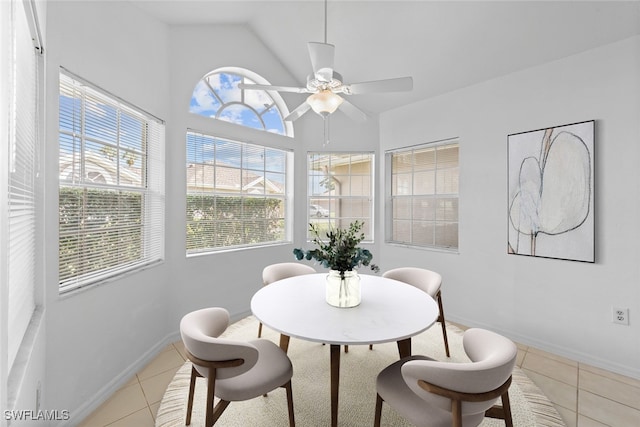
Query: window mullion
[
  {"x": 435, "y": 196},
  {"x": 83, "y": 141},
  {"x": 119, "y": 150},
  {"x": 213, "y": 91}
]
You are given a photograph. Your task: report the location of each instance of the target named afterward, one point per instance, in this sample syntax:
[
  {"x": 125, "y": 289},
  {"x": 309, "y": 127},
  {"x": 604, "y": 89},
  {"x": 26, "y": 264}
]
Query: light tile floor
[{"x": 584, "y": 396}]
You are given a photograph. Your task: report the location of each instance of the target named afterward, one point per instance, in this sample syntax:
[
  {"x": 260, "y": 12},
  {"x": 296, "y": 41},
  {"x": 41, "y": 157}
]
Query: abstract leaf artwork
[{"x": 550, "y": 175}]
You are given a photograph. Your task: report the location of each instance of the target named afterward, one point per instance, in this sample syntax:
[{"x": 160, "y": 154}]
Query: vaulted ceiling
[{"x": 444, "y": 45}]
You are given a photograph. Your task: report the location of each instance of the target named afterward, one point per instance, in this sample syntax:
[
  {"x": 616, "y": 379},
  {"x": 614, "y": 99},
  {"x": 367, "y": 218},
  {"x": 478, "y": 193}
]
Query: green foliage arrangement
[{"x": 340, "y": 251}]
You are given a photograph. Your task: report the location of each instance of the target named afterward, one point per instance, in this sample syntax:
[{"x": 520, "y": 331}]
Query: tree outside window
[{"x": 340, "y": 190}]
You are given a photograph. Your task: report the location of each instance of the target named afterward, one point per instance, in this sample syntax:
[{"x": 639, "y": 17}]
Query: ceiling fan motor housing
[{"x": 316, "y": 84}]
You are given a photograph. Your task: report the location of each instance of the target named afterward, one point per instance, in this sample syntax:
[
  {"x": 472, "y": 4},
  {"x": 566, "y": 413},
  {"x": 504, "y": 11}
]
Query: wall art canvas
[{"x": 550, "y": 179}]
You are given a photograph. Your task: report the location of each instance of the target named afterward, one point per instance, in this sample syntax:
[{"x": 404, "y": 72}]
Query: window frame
[
  {"x": 390, "y": 197},
  {"x": 247, "y": 77},
  {"x": 342, "y": 221},
  {"x": 149, "y": 231},
  {"x": 286, "y": 195}
]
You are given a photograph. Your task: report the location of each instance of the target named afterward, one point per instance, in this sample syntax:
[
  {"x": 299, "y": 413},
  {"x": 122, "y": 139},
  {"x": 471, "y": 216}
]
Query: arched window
[{"x": 217, "y": 96}]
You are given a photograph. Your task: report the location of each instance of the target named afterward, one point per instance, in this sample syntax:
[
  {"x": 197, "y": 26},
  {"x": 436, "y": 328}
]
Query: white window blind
[
  {"x": 340, "y": 190},
  {"x": 423, "y": 186},
  {"x": 22, "y": 170},
  {"x": 237, "y": 194},
  {"x": 111, "y": 192}
]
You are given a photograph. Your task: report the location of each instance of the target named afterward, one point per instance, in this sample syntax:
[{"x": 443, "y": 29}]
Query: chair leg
[
  {"x": 442, "y": 322},
  {"x": 506, "y": 407},
  {"x": 284, "y": 342},
  {"x": 501, "y": 412},
  {"x": 211, "y": 386},
  {"x": 456, "y": 412},
  {"x": 218, "y": 410},
  {"x": 192, "y": 387},
  {"x": 378, "y": 413},
  {"x": 292, "y": 421},
  {"x": 260, "y": 330},
  {"x": 212, "y": 414}
]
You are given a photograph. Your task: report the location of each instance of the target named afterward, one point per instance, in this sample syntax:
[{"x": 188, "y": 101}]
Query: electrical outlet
[{"x": 621, "y": 315}]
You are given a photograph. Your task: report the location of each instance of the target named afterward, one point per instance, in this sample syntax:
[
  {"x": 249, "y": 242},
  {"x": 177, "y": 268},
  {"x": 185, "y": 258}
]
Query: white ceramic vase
[{"x": 343, "y": 290}]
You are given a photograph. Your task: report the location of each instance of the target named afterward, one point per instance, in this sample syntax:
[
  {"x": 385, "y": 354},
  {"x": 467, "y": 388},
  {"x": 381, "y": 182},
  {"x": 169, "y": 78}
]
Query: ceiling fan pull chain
[{"x": 326, "y": 131}]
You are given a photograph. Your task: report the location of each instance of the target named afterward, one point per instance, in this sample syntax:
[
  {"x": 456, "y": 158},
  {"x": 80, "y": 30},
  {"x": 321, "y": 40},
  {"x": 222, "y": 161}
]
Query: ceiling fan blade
[
  {"x": 251, "y": 86},
  {"x": 352, "y": 111},
  {"x": 322, "y": 55},
  {"x": 298, "y": 112},
  {"x": 399, "y": 84}
]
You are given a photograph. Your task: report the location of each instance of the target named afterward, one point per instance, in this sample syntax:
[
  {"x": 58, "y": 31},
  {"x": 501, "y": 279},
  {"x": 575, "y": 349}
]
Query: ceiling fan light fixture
[{"x": 324, "y": 102}]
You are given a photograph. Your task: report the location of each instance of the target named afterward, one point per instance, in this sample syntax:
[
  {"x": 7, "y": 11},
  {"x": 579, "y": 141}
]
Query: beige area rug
[{"x": 359, "y": 368}]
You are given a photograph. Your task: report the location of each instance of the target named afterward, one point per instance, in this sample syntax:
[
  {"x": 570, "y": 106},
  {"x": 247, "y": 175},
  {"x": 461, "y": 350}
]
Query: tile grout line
[
  {"x": 578, "y": 395},
  {"x": 603, "y": 396},
  {"x": 146, "y": 400},
  {"x": 153, "y": 416},
  {"x": 555, "y": 404}
]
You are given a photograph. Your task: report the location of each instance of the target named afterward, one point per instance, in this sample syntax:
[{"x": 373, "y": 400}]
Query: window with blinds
[
  {"x": 423, "y": 187},
  {"x": 237, "y": 194},
  {"x": 21, "y": 169},
  {"x": 340, "y": 190},
  {"x": 111, "y": 191}
]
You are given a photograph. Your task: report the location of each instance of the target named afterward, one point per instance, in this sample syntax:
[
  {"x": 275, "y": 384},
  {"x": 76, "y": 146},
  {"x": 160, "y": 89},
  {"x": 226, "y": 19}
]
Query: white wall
[
  {"x": 561, "y": 306},
  {"x": 99, "y": 337},
  {"x": 231, "y": 278}
]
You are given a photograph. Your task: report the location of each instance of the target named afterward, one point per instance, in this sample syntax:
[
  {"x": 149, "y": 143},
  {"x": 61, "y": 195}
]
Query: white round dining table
[{"x": 389, "y": 311}]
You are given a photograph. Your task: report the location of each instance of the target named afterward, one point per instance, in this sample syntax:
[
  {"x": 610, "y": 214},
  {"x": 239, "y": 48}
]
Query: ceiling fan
[{"x": 326, "y": 85}]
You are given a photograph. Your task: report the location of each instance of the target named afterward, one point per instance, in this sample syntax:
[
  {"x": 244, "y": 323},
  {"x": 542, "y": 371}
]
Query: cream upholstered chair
[
  {"x": 428, "y": 281},
  {"x": 235, "y": 370},
  {"x": 275, "y": 272},
  {"x": 432, "y": 393}
]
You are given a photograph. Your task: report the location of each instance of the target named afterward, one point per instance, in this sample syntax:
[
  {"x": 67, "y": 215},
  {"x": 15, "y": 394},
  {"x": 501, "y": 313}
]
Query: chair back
[
  {"x": 426, "y": 280},
  {"x": 492, "y": 360},
  {"x": 283, "y": 270},
  {"x": 200, "y": 331}
]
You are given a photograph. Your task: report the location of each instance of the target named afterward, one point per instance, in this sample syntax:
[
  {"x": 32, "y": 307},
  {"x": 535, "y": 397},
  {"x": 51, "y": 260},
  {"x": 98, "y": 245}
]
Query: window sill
[
  {"x": 236, "y": 249},
  {"x": 67, "y": 293},
  {"x": 454, "y": 251}
]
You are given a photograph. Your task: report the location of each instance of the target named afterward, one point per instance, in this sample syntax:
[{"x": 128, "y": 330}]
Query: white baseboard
[
  {"x": 83, "y": 411},
  {"x": 569, "y": 353}
]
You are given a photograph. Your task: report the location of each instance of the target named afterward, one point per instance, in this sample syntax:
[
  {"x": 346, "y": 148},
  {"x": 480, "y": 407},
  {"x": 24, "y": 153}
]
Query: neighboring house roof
[
  {"x": 321, "y": 162},
  {"x": 98, "y": 169},
  {"x": 102, "y": 170},
  {"x": 228, "y": 179}
]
